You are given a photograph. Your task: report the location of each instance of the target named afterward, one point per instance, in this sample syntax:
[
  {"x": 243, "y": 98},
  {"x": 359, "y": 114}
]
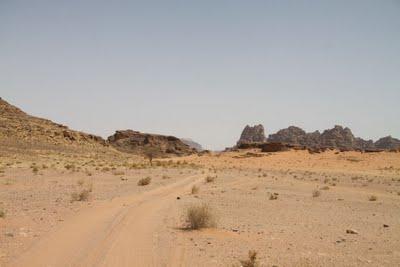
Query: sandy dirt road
[{"x": 120, "y": 232}]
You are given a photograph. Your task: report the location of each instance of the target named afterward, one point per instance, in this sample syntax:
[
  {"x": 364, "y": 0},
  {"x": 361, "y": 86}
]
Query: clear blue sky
[{"x": 204, "y": 69}]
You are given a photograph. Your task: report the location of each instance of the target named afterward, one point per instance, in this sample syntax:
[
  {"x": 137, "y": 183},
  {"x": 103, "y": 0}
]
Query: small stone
[
  {"x": 385, "y": 226},
  {"x": 351, "y": 231},
  {"x": 178, "y": 198}
]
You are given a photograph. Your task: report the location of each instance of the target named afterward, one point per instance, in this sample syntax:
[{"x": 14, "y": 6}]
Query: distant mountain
[
  {"x": 337, "y": 137},
  {"x": 192, "y": 144},
  {"x": 139, "y": 143}
]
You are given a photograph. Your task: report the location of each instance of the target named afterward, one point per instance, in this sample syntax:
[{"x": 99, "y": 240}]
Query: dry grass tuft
[
  {"x": 35, "y": 169},
  {"x": 325, "y": 188},
  {"x": 195, "y": 189},
  {"x": 144, "y": 181},
  {"x": 200, "y": 216},
  {"x": 81, "y": 196},
  {"x": 210, "y": 179},
  {"x": 372, "y": 198},
  {"x": 316, "y": 193},
  {"x": 273, "y": 196},
  {"x": 251, "y": 261},
  {"x": 119, "y": 173}
]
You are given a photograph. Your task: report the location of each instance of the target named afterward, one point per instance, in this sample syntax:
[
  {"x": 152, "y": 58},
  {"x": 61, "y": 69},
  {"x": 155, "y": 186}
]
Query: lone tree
[{"x": 150, "y": 153}]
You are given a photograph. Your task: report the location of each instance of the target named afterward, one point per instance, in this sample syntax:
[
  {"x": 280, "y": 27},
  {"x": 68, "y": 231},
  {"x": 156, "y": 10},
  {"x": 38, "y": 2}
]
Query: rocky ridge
[{"x": 140, "y": 143}]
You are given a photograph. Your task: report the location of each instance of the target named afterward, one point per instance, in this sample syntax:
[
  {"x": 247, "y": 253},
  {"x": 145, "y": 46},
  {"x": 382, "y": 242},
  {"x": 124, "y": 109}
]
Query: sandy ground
[{"x": 123, "y": 224}]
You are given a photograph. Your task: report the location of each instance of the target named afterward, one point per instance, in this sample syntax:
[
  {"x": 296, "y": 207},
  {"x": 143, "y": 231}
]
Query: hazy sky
[{"x": 204, "y": 69}]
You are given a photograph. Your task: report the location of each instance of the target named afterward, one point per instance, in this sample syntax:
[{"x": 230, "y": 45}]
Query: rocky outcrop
[
  {"x": 252, "y": 134},
  {"x": 337, "y": 137},
  {"x": 192, "y": 144},
  {"x": 388, "y": 143},
  {"x": 139, "y": 143},
  {"x": 296, "y": 136}
]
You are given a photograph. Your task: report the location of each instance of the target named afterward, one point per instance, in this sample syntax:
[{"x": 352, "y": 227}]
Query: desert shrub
[
  {"x": 70, "y": 167},
  {"x": 210, "y": 179},
  {"x": 35, "y": 170},
  {"x": 81, "y": 196},
  {"x": 372, "y": 198},
  {"x": 273, "y": 196},
  {"x": 80, "y": 182},
  {"x": 325, "y": 188},
  {"x": 195, "y": 189},
  {"x": 118, "y": 173},
  {"x": 316, "y": 193},
  {"x": 144, "y": 181},
  {"x": 2, "y": 213},
  {"x": 251, "y": 261},
  {"x": 200, "y": 216},
  {"x": 166, "y": 177}
]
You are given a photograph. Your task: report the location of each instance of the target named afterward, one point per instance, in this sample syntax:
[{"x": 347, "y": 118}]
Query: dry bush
[
  {"x": 316, "y": 193},
  {"x": 69, "y": 167},
  {"x": 105, "y": 169},
  {"x": 210, "y": 179},
  {"x": 2, "y": 213},
  {"x": 251, "y": 261},
  {"x": 81, "y": 196},
  {"x": 372, "y": 198},
  {"x": 325, "y": 188},
  {"x": 35, "y": 170},
  {"x": 200, "y": 216},
  {"x": 195, "y": 189},
  {"x": 166, "y": 177},
  {"x": 273, "y": 196},
  {"x": 144, "y": 181},
  {"x": 119, "y": 173}
]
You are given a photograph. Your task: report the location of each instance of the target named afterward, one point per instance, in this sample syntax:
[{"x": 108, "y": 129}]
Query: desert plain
[{"x": 293, "y": 208}]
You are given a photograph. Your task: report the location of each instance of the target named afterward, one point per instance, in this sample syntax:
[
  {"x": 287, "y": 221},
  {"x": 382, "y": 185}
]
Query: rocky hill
[
  {"x": 20, "y": 129},
  {"x": 252, "y": 134},
  {"x": 140, "y": 143},
  {"x": 337, "y": 137}
]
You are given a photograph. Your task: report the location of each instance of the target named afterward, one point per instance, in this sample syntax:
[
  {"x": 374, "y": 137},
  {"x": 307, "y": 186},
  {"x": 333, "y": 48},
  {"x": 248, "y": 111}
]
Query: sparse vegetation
[
  {"x": 251, "y": 261},
  {"x": 200, "y": 216},
  {"x": 2, "y": 213},
  {"x": 144, "y": 181},
  {"x": 325, "y": 188},
  {"x": 372, "y": 198}
]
